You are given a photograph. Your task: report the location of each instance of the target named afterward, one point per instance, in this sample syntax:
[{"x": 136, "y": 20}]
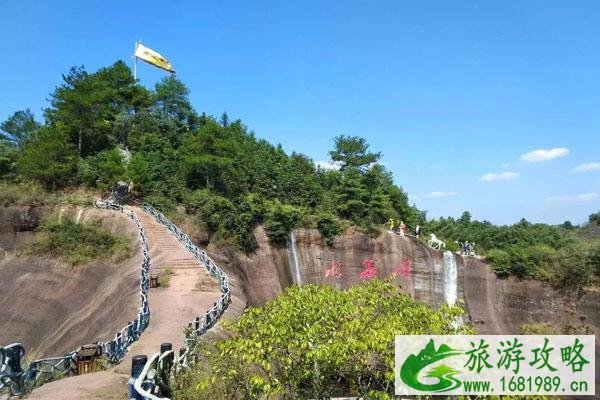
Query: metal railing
[
  {"x": 153, "y": 381},
  {"x": 16, "y": 380}
]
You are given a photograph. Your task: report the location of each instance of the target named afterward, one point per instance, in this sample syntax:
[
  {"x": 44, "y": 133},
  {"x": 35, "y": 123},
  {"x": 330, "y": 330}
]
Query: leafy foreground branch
[{"x": 314, "y": 342}]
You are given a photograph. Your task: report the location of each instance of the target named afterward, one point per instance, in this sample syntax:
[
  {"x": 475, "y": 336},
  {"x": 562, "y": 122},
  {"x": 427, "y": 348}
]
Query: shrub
[
  {"x": 574, "y": 269},
  {"x": 542, "y": 260},
  {"x": 102, "y": 170},
  {"x": 24, "y": 193},
  {"x": 30, "y": 193},
  {"x": 298, "y": 345},
  {"x": 222, "y": 218},
  {"x": 329, "y": 226},
  {"x": 280, "y": 220},
  {"x": 500, "y": 261},
  {"x": 77, "y": 243},
  {"x": 161, "y": 203},
  {"x": 48, "y": 158},
  {"x": 164, "y": 278},
  {"x": 593, "y": 260},
  {"x": 541, "y": 328}
]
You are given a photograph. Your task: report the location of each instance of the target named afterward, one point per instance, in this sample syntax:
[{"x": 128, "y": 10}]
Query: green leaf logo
[{"x": 413, "y": 365}]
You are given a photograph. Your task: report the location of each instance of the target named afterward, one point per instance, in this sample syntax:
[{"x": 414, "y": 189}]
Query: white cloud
[
  {"x": 329, "y": 165},
  {"x": 593, "y": 166},
  {"x": 502, "y": 176},
  {"x": 440, "y": 195},
  {"x": 545, "y": 155},
  {"x": 587, "y": 196},
  {"x": 505, "y": 165},
  {"x": 579, "y": 197}
]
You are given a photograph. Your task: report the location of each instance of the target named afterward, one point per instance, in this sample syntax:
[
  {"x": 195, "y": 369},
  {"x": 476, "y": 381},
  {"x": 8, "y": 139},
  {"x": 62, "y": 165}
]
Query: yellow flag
[{"x": 152, "y": 57}]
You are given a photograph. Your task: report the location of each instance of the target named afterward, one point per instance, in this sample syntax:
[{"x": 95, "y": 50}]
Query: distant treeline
[{"x": 566, "y": 255}]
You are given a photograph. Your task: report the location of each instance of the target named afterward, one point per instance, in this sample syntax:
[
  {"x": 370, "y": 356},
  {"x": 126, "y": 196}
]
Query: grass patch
[
  {"x": 78, "y": 243},
  {"x": 164, "y": 278},
  {"x": 32, "y": 194}
]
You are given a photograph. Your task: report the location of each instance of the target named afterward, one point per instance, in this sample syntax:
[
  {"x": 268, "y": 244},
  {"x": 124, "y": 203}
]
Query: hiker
[
  {"x": 391, "y": 223},
  {"x": 417, "y": 231},
  {"x": 402, "y": 228}
]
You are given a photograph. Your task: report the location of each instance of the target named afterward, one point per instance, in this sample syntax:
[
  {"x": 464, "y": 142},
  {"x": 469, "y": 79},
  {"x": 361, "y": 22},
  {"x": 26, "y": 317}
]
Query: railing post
[
  {"x": 164, "y": 370},
  {"x": 137, "y": 365}
]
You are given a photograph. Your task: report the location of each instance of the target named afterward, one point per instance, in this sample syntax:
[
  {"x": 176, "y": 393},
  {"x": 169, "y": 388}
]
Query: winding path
[{"x": 190, "y": 292}]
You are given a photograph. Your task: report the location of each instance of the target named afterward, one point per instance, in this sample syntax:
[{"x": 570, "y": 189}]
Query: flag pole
[{"x": 135, "y": 62}]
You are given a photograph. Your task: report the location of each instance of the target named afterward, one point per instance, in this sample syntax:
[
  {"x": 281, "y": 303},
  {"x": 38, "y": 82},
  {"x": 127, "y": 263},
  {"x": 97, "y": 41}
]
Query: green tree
[
  {"x": 595, "y": 218},
  {"x": 86, "y": 107},
  {"x": 351, "y": 196},
  {"x": 465, "y": 218},
  {"x": 329, "y": 226},
  {"x": 103, "y": 170},
  {"x": 48, "y": 158},
  {"x": 353, "y": 151},
  {"x": 208, "y": 160},
  {"x": 171, "y": 98},
  {"x": 19, "y": 127},
  {"x": 8, "y": 157},
  {"x": 568, "y": 225}
]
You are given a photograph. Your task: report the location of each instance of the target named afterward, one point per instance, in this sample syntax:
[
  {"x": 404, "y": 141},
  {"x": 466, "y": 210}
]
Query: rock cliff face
[
  {"x": 306, "y": 257},
  {"x": 494, "y": 305},
  {"x": 51, "y": 308}
]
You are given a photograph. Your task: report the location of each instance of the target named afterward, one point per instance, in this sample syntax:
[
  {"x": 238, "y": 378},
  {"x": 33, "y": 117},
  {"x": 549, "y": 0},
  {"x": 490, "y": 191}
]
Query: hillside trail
[{"x": 190, "y": 292}]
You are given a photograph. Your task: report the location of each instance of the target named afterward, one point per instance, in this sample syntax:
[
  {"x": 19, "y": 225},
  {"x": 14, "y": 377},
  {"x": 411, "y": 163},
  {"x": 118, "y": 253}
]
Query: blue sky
[{"x": 449, "y": 91}]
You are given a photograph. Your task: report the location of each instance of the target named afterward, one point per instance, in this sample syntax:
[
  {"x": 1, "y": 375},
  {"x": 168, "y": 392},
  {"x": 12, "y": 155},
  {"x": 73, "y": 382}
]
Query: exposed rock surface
[
  {"x": 268, "y": 270},
  {"x": 52, "y": 308}
]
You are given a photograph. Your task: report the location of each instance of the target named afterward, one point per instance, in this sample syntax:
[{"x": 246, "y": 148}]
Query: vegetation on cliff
[
  {"x": 565, "y": 255},
  {"x": 77, "y": 243}
]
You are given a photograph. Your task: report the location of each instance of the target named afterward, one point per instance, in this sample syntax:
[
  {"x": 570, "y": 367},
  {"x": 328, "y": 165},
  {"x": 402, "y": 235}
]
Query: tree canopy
[
  {"x": 353, "y": 151},
  {"x": 179, "y": 156}
]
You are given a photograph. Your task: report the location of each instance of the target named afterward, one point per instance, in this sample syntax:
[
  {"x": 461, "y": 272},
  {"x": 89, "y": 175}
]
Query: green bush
[
  {"x": 8, "y": 157},
  {"x": 594, "y": 260},
  {"x": 77, "y": 243},
  {"x": 48, "y": 158},
  {"x": 22, "y": 193},
  {"x": 314, "y": 342},
  {"x": 329, "y": 226},
  {"x": 575, "y": 270},
  {"x": 222, "y": 218},
  {"x": 280, "y": 220},
  {"x": 500, "y": 261},
  {"x": 102, "y": 170},
  {"x": 162, "y": 203},
  {"x": 452, "y": 246},
  {"x": 30, "y": 193}
]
